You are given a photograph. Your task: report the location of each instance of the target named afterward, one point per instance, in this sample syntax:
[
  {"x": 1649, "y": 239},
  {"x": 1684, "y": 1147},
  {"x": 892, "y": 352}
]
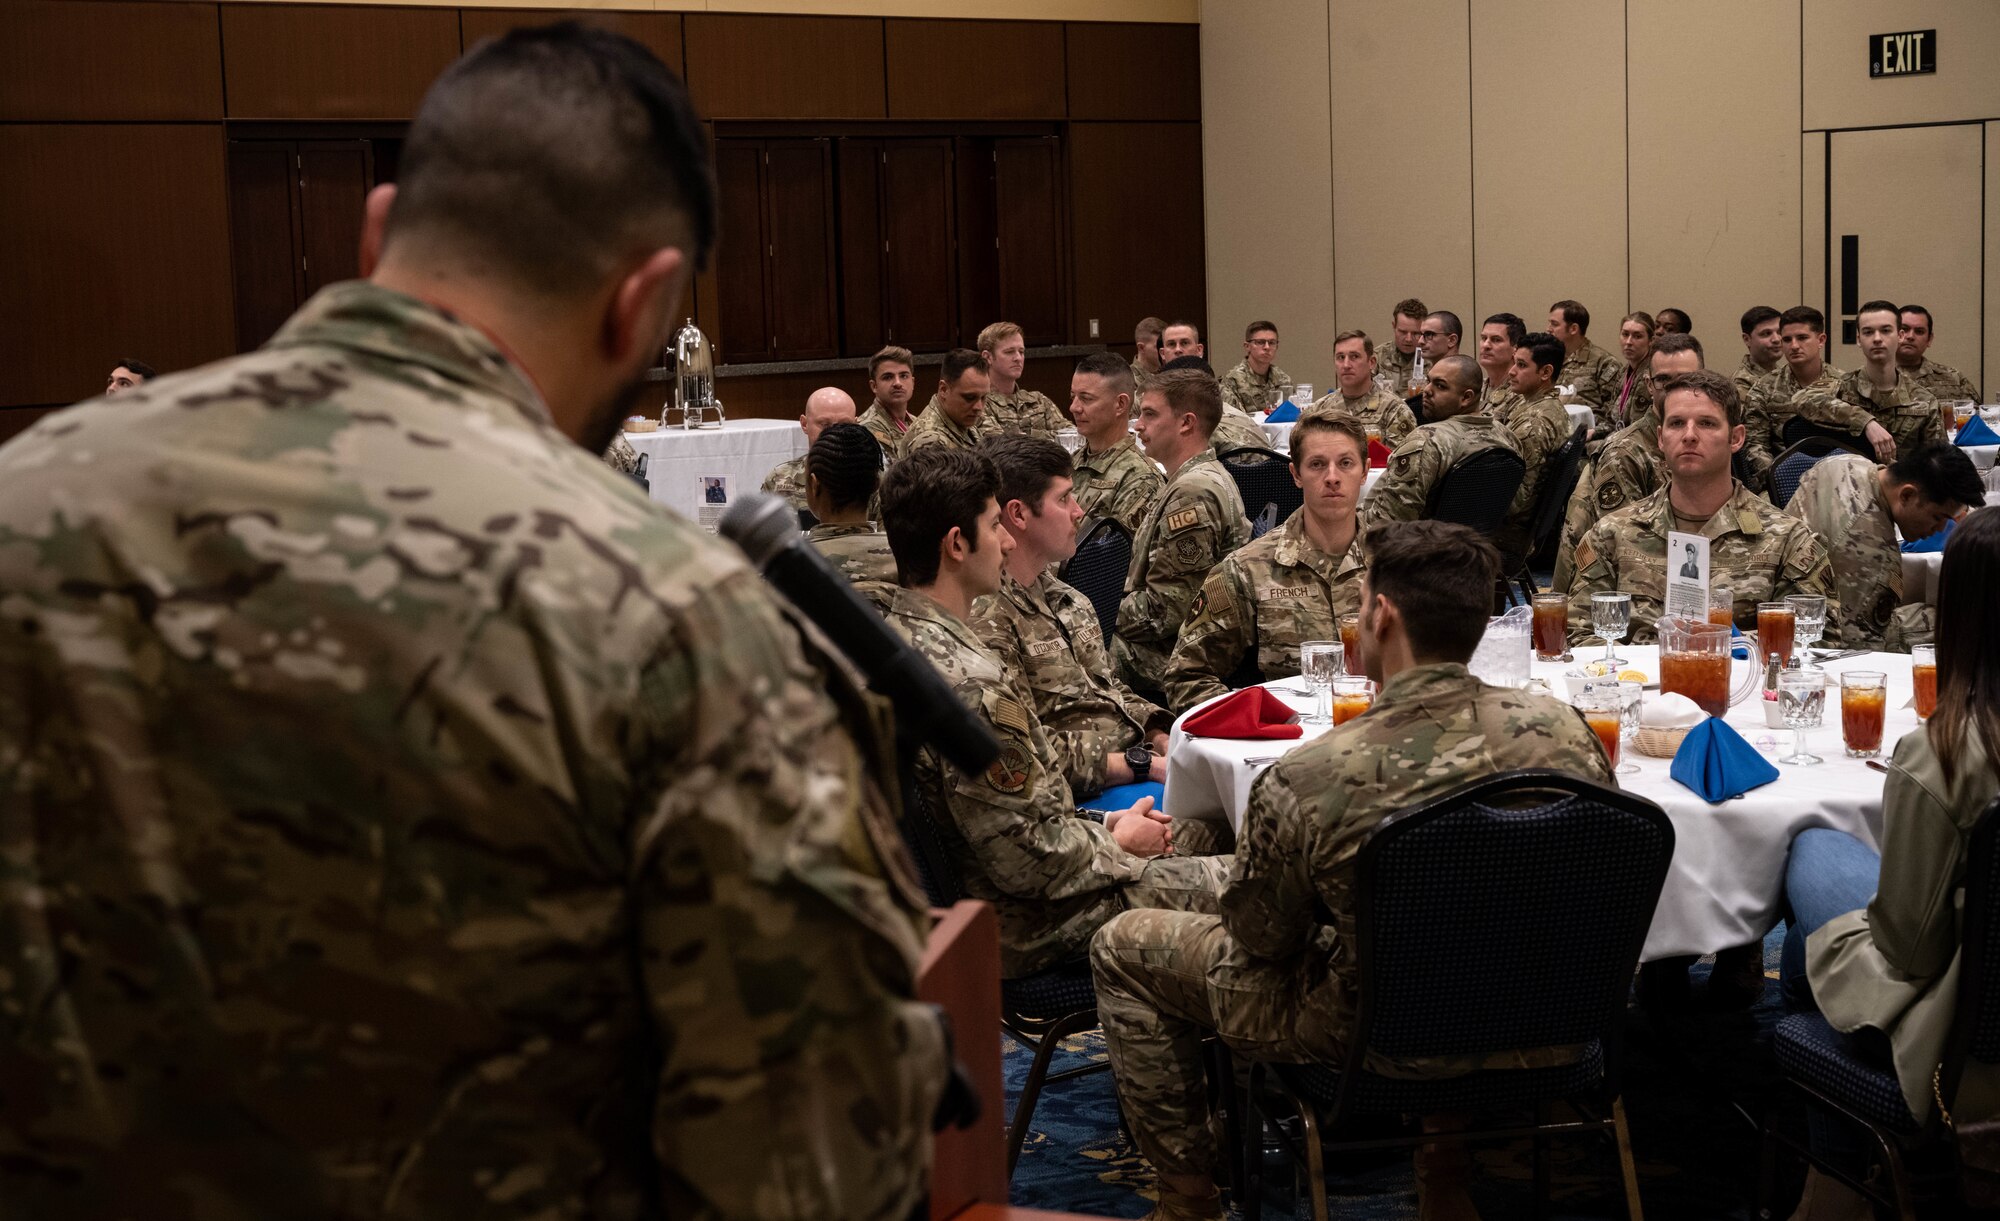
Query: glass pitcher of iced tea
[{"x": 1695, "y": 661}]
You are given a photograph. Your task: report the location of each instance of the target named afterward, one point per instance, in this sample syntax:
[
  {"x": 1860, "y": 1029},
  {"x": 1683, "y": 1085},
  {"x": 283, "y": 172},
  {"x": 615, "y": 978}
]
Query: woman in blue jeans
[{"x": 1874, "y": 941}]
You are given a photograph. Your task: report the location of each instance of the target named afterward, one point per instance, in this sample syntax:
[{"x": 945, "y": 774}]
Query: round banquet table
[
  {"x": 1725, "y": 885},
  {"x": 744, "y": 450}
]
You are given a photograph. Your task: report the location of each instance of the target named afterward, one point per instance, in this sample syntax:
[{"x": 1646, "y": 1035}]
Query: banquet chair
[
  {"x": 1851, "y": 1080},
  {"x": 1097, "y": 570},
  {"x": 639, "y": 475},
  {"x": 1505, "y": 915},
  {"x": 1264, "y": 477},
  {"x": 1545, "y": 522},
  {"x": 1790, "y": 467},
  {"x": 1798, "y": 429},
  {"x": 1478, "y": 490},
  {"x": 1038, "y": 1010}
]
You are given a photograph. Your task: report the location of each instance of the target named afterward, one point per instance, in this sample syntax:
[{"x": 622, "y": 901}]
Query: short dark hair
[
  {"x": 1710, "y": 385},
  {"x": 958, "y": 361},
  {"x": 551, "y": 154},
  {"x": 1410, "y": 307},
  {"x": 1907, "y": 309},
  {"x": 1942, "y": 473},
  {"x": 1149, "y": 325},
  {"x": 137, "y": 368},
  {"x": 1574, "y": 314},
  {"x": 847, "y": 462},
  {"x": 1182, "y": 322},
  {"x": 1194, "y": 363},
  {"x": 1440, "y": 576},
  {"x": 1260, "y": 325},
  {"x": 1756, "y": 316},
  {"x": 1517, "y": 330},
  {"x": 1806, "y": 314},
  {"x": 1367, "y": 344},
  {"x": 1339, "y": 423},
  {"x": 1677, "y": 342},
  {"x": 1449, "y": 320},
  {"x": 1544, "y": 349},
  {"x": 1112, "y": 368},
  {"x": 1680, "y": 316},
  {"x": 891, "y": 355},
  {"x": 1879, "y": 306},
  {"x": 1027, "y": 466},
  {"x": 1191, "y": 392},
  {"x": 924, "y": 496}
]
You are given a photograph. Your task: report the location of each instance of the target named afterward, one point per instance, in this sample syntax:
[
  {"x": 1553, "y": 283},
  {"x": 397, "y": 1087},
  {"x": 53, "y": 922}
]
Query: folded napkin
[
  {"x": 1125, "y": 796},
  {"x": 1718, "y": 764},
  {"x": 1930, "y": 542},
  {"x": 1976, "y": 432},
  {"x": 1378, "y": 455},
  {"x": 1250, "y": 713},
  {"x": 1738, "y": 649},
  {"x": 1283, "y": 413}
]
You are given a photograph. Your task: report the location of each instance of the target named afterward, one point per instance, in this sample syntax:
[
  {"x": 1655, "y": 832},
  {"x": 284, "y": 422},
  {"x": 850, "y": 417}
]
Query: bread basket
[{"x": 1660, "y": 743}]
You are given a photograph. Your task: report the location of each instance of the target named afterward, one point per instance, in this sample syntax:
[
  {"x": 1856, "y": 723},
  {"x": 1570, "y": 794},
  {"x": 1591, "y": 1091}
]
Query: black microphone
[{"x": 767, "y": 531}]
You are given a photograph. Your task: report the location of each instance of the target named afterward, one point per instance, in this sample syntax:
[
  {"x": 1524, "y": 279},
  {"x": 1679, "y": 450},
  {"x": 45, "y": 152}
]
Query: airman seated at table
[
  {"x": 1051, "y": 875},
  {"x": 826, "y": 405},
  {"x": 892, "y": 380},
  {"x": 1270, "y": 596},
  {"x": 1539, "y": 426},
  {"x": 1355, "y": 395},
  {"x": 1145, "y": 354},
  {"x": 1776, "y": 399},
  {"x": 1635, "y": 382},
  {"x": 1257, "y": 384},
  {"x": 1113, "y": 479},
  {"x": 955, "y": 416},
  {"x": 1456, "y": 431},
  {"x": 1234, "y": 427},
  {"x": 842, "y": 470},
  {"x": 1499, "y": 335},
  {"x": 1406, "y": 324},
  {"x": 1011, "y": 407},
  {"x": 1757, "y": 552},
  {"x": 1589, "y": 370},
  {"x": 1763, "y": 350},
  {"x": 1913, "y": 340},
  {"x": 1886, "y": 406},
  {"x": 1274, "y": 975}
]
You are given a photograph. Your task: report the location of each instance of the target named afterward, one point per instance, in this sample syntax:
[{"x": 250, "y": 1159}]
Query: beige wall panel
[
  {"x": 1812, "y": 224},
  {"x": 1988, "y": 379},
  {"x": 1267, "y": 184},
  {"x": 1391, "y": 241},
  {"x": 1714, "y": 208},
  {"x": 1548, "y": 212},
  {"x": 1840, "y": 93}
]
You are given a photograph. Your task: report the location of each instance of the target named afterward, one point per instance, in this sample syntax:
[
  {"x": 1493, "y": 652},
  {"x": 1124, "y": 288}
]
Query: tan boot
[
  {"x": 1443, "y": 1172},
  {"x": 1828, "y": 1199},
  {"x": 1176, "y": 1207}
]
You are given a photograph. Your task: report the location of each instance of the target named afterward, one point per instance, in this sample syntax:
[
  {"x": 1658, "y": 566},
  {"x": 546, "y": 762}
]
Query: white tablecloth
[
  {"x": 744, "y": 450},
  {"x": 1726, "y": 882}
]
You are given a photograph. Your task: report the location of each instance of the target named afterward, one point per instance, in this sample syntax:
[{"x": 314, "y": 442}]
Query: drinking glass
[
  {"x": 1319, "y": 665},
  {"x": 1611, "y": 618},
  {"x": 1071, "y": 440},
  {"x": 1350, "y": 641},
  {"x": 1802, "y": 702},
  {"x": 1603, "y": 708},
  {"x": 1721, "y": 606},
  {"x": 1631, "y": 693},
  {"x": 1352, "y": 696},
  {"x": 1923, "y": 672},
  {"x": 1777, "y": 626},
  {"x": 1961, "y": 411},
  {"x": 1809, "y": 617},
  {"x": 1864, "y": 698},
  {"x": 1551, "y": 626}
]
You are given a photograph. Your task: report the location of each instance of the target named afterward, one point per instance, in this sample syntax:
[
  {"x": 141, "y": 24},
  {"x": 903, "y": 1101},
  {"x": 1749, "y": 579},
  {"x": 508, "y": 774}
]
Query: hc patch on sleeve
[{"x": 1182, "y": 520}]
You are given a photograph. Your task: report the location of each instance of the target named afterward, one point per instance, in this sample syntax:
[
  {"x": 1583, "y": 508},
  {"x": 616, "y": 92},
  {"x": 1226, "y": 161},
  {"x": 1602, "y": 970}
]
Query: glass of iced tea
[
  {"x": 1352, "y": 696},
  {"x": 1864, "y": 698},
  {"x": 1923, "y": 672},
  {"x": 1777, "y": 624},
  {"x": 1551, "y": 626},
  {"x": 1350, "y": 642},
  {"x": 1722, "y": 605},
  {"x": 1603, "y": 709}
]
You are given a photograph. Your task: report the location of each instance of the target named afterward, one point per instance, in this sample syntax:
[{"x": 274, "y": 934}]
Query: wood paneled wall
[{"x": 114, "y": 203}]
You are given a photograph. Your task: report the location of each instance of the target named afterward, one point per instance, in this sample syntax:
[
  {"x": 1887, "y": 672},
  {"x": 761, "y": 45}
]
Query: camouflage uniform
[
  {"x": 1051, "y": 875},
  {"x": 876, "y": 420},
  {"x": 1907, "y": 410},
  {"x": 1638, "y": 401},
  {"x": 1749, "y": 374},
  {"x": 1395, "y": 362},
  {"x": 1595, "y": 375},
  {"x": 1235, "y": 430},
  {"x": 1908, "y": 626},
  {"x": 1247, "y": 392},
  {"x": 934, "y": 427},
  {"x": 1046, "y": 637},
  {"x": 1275, "y": 974},
  {"x": 1628, "y": 469},
  {"x": 1257, "y": 607},
  {"x": 1195, "y": 520},
  {"x": 1539, "y": 430},
  {"x": 1390, "y": 416},
  {"x": 407, "y": 819},
  {"x": 1497, "y": 401},
  {"x": 1403, "y": 493},
  {"x": 1755, "y": 551},
  {"x": 1841, "y": 499},
  {"x": 1118, "y": 483},
  {"x": 861, "y": 552},
  {"x": 1027, "y": 412},
  {"x": 1946, "y": 384},
  {"x": 788, "y": 479},
  {"x": 621, "y": 457},
  {"x": 1768, "y": 409},
  {"x": 1139, "y": 379}
]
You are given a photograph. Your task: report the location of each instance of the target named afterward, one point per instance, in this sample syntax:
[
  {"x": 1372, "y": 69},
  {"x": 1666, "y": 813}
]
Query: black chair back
[
  {"x": 1975, "y": 1028},
  {"x": 1565, "y": 470},
  {"x": 1097, "y": 570},
  {"x": 1798, "y": 429},
  {"x": 1264, "y": 477},
  {"x": 1505, "y": 915},
  {"x": 931, "y": 840},
  {"x": 639, "y": 475},
  {"x": 1789, "y": 468},
  {"x": 807, "y": 520},
  {"x": 1478, "y": 491}
]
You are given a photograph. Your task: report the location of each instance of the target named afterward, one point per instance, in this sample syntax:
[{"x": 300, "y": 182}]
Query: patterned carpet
[{"x": 1697, "y": 1155}]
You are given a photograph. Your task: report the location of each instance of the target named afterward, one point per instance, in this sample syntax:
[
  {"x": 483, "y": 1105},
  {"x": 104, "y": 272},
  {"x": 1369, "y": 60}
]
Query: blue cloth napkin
[
  {"x": 1738, "y": 650},
  {"x": 1718, "y": 764},
  {"x": 1976, "y": 432},
  {"x": 1125, "y": 796},
  {"x": 1931, "y": 542},
  {"x": 1283, "y": 413}
]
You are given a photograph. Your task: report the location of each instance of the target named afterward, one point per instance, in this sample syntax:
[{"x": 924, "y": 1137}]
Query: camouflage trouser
[
  {"x": 1164, "y": 980},
  {"x": 1203, "y": 837},
  {"x": 1910, "y": 625},
  {"x": 1183, "y": 883}
]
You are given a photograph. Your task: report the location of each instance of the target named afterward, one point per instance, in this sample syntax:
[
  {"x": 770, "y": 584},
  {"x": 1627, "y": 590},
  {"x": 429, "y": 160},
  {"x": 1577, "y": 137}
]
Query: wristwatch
[{"x": 1140, "y": 760}]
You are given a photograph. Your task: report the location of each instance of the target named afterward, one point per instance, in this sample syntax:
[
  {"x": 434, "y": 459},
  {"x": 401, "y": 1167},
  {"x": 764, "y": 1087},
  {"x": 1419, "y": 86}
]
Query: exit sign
[{"x": 1910, "y": 53}]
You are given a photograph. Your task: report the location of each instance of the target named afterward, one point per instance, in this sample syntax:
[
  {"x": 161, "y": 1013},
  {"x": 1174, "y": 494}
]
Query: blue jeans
[{"x": 1829, "y": 873}]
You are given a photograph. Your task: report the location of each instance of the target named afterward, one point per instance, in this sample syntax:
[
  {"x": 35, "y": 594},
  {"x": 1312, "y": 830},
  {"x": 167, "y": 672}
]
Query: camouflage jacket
[
  {"x": 1910, "y": 625},
  {"x": 1628, "y": 469},
  {"x": 934, "y": 427},
  {"x": 1755, "y": 551},
  {"x": 1595, "y": 375},
  {"x": 1393, "y": 361},
  {"x": 1496, "y": 400},
  {"x": 1051, "y": 875},
  {"x": 1290, "y": 900},
  {"x": 1772, "y": 405},
  {"x": 1945, "y": 383},
  {"x": 1046, "y": 637},
  {"x": 1841, "y": 499},
  {"x": 1025, "y": 411},
  {"x": 1389, "y": 416},
  {"x": 788, "y": 479},
  {"x": 1257, "y": 607},
  {"x": 876, "y": 420},
  {"x": 621, "y": 457},
  {"x": 1139, "y": 379},
  {"x": 1539, "y": 430},
  {"x": 1749, "y": 375},
  {"x": 1907, "y": 409},
  {"x": 1196, "y": 519},
  {"x": 1235, "y": 430},
  {"x": 861, "y": 552},
  {"x": 1635, "y": 389},
  {"x": 403, "y": 812},
  {"x": 1403, "y": 493},
  {"x": 1118, "y": 483},
  {"x": 1247, "y": 392}
]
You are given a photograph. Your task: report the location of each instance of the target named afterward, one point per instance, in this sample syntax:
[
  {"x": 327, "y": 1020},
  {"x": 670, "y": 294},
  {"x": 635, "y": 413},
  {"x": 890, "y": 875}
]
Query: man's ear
[
  {"x": 374, "y": 219},
  {"x": 953, "y": 547},
  {"x": 641, "y": 306}
]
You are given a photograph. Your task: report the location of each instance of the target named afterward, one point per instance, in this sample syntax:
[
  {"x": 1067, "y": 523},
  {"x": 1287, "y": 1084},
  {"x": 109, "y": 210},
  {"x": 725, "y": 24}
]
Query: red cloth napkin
[
  {"x": 1250, "y": 713},
  {"x": 1378, "y": 455}
]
